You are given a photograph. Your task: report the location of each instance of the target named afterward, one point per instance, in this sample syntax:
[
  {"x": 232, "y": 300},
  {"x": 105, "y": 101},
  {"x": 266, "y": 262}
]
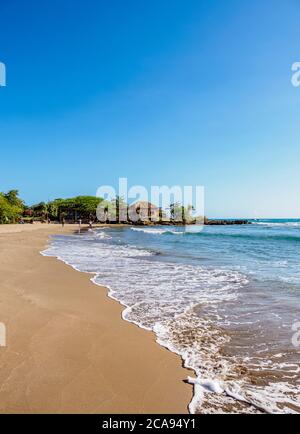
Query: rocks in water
[
  {"x": 227, "y": 222},
  {"x": 208, "y": 222}
]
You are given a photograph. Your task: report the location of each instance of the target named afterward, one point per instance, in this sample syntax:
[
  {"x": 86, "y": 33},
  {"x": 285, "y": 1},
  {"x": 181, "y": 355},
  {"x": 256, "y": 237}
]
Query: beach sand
[{"x": 67, "y": 349}]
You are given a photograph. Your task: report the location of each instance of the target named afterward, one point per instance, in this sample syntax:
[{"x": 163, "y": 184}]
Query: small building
[
  {"x": 28, "y": 212},
  {"x": 142, "y": 211}
]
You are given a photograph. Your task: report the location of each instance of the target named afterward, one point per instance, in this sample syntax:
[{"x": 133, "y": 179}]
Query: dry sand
[{"x": 68, "y": 350}]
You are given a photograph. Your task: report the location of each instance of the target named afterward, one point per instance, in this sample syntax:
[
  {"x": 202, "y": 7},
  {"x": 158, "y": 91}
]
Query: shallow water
[{"x": 225, "y": 298}]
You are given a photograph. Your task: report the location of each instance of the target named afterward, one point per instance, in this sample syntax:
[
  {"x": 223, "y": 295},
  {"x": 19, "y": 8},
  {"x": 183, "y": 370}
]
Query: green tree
[
  {"x": 79, "y": 207},
  {"x": 12, "y": 196},
  {"x": 11, "y": 207},
  {"x": 121, "y": 209},
  {"x": 181, "y": 214},
  {"x": 40, "y": 210}
]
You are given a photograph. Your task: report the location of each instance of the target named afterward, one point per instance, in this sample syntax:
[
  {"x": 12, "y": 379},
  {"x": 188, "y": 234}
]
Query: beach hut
[{"x": 143, "y": 212}]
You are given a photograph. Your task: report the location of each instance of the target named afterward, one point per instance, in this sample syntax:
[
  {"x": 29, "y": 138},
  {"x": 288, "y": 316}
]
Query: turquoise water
[
  {"x": 225, "y": 298},
  {"x": 266, "y": 249}
]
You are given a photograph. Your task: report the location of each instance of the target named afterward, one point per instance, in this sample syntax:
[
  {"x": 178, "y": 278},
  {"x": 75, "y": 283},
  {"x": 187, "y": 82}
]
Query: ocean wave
[
  {"x": 226, "y": 234},
  {"x": 157, "y": 231},
  {"x": 247, "y": 236},
  {"x": 277, "y": 224}
]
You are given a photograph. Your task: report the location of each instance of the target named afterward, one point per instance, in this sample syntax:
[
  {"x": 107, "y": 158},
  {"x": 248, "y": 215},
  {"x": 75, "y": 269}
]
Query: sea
[{"x": 226, "y": 299}]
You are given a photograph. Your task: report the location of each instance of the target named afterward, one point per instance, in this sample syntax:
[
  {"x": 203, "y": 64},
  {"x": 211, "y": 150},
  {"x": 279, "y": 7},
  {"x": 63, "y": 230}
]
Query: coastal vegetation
[
  {"x": 79, "y": 207},
  {"x": 14, "y": 210},
  {"x": 11, "y": 207}
]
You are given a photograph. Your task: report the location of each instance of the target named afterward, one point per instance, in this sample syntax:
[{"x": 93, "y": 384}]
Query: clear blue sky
[{"x": 162, "y": 92}]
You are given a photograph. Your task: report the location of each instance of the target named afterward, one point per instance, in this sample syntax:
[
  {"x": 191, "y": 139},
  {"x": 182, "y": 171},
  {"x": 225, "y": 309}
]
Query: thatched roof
[{"x": 144, "y": 205}]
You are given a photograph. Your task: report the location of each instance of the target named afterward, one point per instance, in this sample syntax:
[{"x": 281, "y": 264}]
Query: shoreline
[{"x": 62, "y": 344}]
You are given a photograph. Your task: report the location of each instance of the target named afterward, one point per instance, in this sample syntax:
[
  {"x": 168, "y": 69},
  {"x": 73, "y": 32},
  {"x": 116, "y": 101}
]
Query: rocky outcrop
[{"x": 226, "y": 222}]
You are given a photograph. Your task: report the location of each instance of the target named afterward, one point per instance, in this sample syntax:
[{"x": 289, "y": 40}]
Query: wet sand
[{"x": 67, "y": 349}]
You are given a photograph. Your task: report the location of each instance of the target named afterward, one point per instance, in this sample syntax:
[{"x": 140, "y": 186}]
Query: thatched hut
[{"x": 143, "y": 212}]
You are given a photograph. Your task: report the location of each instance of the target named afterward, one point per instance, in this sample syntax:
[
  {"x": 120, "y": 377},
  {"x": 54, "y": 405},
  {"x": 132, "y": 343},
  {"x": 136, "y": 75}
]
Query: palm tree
[
  {"x": 121, "y": 209},
  {"x": 41, "y": 210}
]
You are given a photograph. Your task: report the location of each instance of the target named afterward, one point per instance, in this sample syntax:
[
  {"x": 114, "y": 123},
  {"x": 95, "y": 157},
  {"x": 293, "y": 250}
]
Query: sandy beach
[{"x": 68, "y": 350}]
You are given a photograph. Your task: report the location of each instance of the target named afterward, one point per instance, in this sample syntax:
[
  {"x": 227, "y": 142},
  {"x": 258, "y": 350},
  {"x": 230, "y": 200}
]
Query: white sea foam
[
  {"x": 152, "y": 231},
  {"x": 278, "y": 224}
]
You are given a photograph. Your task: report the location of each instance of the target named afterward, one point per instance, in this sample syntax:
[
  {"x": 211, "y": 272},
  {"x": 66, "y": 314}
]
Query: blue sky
[{"x": 161, "y": 92}]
